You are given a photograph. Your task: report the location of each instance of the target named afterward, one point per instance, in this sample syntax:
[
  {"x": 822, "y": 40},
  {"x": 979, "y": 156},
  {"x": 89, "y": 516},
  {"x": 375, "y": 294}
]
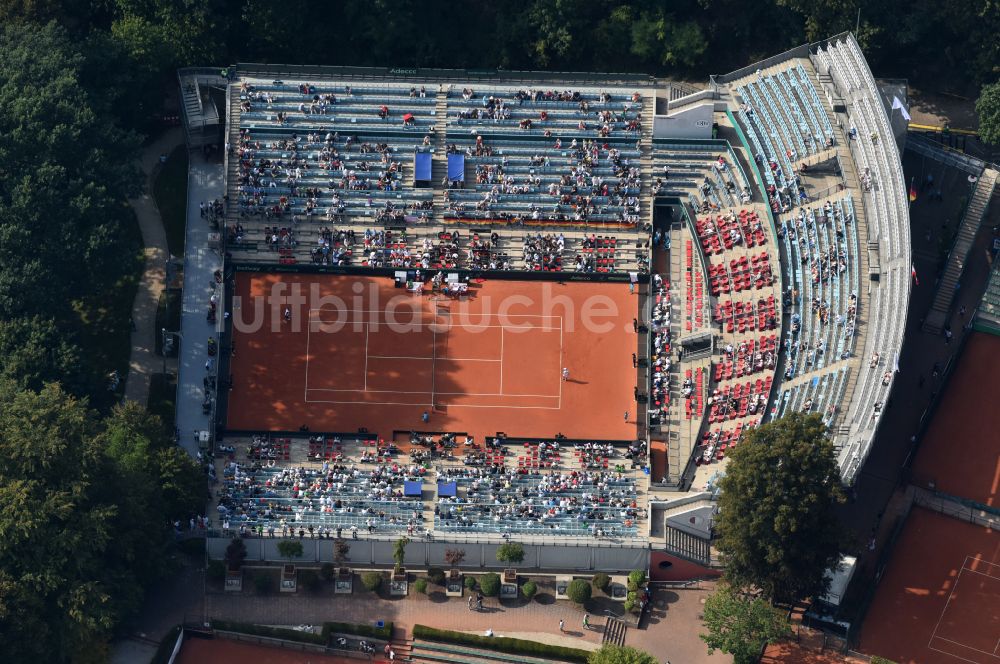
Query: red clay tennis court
[
  {"x": 359, "y": 352},
  {"x": 960, "y": 451},
  {"x": 224, "y": 651},
  {"x": 939, "y": 600}
]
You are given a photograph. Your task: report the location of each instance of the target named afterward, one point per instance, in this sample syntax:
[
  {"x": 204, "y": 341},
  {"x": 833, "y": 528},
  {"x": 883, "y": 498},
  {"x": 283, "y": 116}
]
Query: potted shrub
[
  {"x": 529, "y": 590},
  {"x": 289, "y": 549},
  {"x": 453, "y": 584},
  {"x": 236, "y": 553},
  {"x": 397, "y": 585},
  {"x": 344, "y": 582},
  {"x": 421, "y": 586},
  {"x": 636, "y": 579},
  {"x": 511, "y": 553},
  {"x": 602, "y": 582},
  {"x": 372, "y": 581},
  {"x": 489, "y": 584}
]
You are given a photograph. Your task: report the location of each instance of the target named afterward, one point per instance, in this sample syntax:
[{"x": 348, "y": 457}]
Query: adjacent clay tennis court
[
  {"x": 223, "y": 651},
  {"x": 939, "y": 600},
  {"x": 358, "y": 352},
  {"x": 960, "y": 452}
]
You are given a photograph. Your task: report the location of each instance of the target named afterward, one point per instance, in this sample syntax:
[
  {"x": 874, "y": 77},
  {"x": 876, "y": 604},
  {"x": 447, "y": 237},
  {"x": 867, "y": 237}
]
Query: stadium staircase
[
  {"x": 614, "y": 632},
  {"x": 957, "y": 258}
]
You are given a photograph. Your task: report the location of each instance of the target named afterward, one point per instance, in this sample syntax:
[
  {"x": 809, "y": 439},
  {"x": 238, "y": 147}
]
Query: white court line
[
  {"x": 950, "y": 595},
  {"x": 466, "y": 394},
  {"x": 962, "y": 645},
  {"x": 945, "y": 652},
  {"x": 988, "y": 576},
  {"x": 306, "y": 384},
  {"x": 559, "y": 368},
  {"x": 453, "y": 359},
  {"x": 501, "y": 360},
  {"x": 980, "y": 561},
  {"x": 447, "y": 405}
]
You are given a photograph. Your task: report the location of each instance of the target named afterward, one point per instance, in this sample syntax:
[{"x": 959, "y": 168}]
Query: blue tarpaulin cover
[
  {"x": 447, "y": 489},
  {"x": 412, "y": 488},
  {"x": 456, "y": 167},
  {"x": 422, "y": 166}
]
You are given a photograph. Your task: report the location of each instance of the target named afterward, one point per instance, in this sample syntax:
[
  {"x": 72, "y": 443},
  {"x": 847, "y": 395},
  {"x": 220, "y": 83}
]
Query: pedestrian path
[{"x": 143, "y": 361}]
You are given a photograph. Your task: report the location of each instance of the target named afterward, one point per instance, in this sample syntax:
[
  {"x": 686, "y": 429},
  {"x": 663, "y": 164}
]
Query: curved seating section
[
  {"x": 886, "y": 209},
  {"x": 786, "y": 123},
  {"x": 706, "y": 173}
]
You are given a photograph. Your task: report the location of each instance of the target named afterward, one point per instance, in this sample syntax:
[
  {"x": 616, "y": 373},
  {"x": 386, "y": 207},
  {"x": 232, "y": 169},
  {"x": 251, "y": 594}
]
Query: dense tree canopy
[
  {"x": 741, "y": 625},
  {"x": 776, "y": 525},
  {"x": 612, "y": 654},
  {"x": 84, "y": 523},
  {"x": 988, "y": 109}
]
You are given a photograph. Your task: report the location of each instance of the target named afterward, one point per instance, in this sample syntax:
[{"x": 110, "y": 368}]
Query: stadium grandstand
[{"x": 761, "y": 222}]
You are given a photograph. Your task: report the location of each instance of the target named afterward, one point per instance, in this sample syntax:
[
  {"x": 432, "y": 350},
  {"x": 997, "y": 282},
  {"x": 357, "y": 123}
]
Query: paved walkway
[
  {"x": 143, "y": 361},
  {"x": 200, "y": 262}
]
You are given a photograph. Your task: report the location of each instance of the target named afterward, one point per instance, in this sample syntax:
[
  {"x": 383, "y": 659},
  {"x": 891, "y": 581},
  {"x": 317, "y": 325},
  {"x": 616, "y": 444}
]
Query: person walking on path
[
  {"x": 562, "y": 625},
  {"x": 586, "y": 621}
]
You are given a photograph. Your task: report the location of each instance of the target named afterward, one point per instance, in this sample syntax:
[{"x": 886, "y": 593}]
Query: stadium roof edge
[{"x": 421, "y": 73}]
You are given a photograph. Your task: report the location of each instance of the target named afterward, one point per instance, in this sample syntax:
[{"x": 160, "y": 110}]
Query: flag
[
  {"x": 902, "y": 109},
  {"x": 913, "y": 193},
  {"x": 913, "y": 274}
]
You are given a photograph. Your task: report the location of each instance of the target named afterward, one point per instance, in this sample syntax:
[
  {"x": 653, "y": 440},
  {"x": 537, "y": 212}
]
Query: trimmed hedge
[
  {"x": 383, "y": 633},
  {"x": 372, "y": 581},
  {"x": 529, "y": 590},
  {"x": 420, "y": 585},
  {"x": 602, "y": 581},
  {"x": 436, "y": 576},
  {"x": 489, "y": 583},
  {"x": 501, "y": 644},
  {"x": 578, "y": 591},
  {"x": 270, "y": 632}
]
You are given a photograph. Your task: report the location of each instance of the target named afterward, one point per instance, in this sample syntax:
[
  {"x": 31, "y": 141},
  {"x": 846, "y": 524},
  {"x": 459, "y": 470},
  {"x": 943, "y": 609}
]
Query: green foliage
[
  {"x": 193, "y": 546},
  {"x": 489, "y": 584},
  {"x": 454, "y": 557},
  {"x": 270, "y": 632},
  {"x": 741, "y": 625},
  {"x": 372, "y": 581},
  {"x": 501, "y": 644},
  {"x": 436, "y": 575},
  {"x": 777, "y": 524},
  {"x": 510, "y": 553},
  {"x": 988, "y": 109},
  {"x": 341, "y": 551},
  {"x": 612, "y": 654},
  {"x": 399, "y": 551},
  {"x": 578, "y": 591},
  {"x": 170, "y": 192},
  {"x": 384, "y": 633},
  {"x": 602, "y": 581},
  {"x": 529, "y": 590},
  {"x": 636, "y": 578},
  {"x": 327, "y": 571},
  {"x": 632, "y": 601},
  {"x": 421, "y": 586},
  {"x": 881, "y": 660},
  {"x": 290, "y": 549},
  {"x": 84, "y": 525},
  {"x": 470, "y": 582}
]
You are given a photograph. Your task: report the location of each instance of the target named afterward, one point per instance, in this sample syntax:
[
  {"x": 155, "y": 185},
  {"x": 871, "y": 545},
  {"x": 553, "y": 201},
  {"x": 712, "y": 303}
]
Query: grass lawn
[
  {"x": 162, "y": 397},
  {"x": 102, "y": 320},
  {"x": 170, "y": 194}
]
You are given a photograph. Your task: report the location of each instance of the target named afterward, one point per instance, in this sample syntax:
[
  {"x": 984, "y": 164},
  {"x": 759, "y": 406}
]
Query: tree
[
  {"x": 290, "y": 549},
  {"x": 529, "y": 590},
  {"x": 612, "y": 654},
  {"x": 578, "y": 591},
  {"x": 341, "y": 551},
  {"x": 777, "y": 528},
  {"x": 454, "y": 557},
  {"x": 372, "y": 581},
  {"x": 988, "y": 109},
  {"x": 399, "y": 551},
  {"x": 741, "y": 625},
  {"x": 602, "y": 581},
  {"x": 510, "y": 553}
]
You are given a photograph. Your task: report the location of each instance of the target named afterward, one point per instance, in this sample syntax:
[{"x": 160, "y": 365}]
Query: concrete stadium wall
[
  {"x": 693, "y": 121},
  {"x": 590, "y": 556}
]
